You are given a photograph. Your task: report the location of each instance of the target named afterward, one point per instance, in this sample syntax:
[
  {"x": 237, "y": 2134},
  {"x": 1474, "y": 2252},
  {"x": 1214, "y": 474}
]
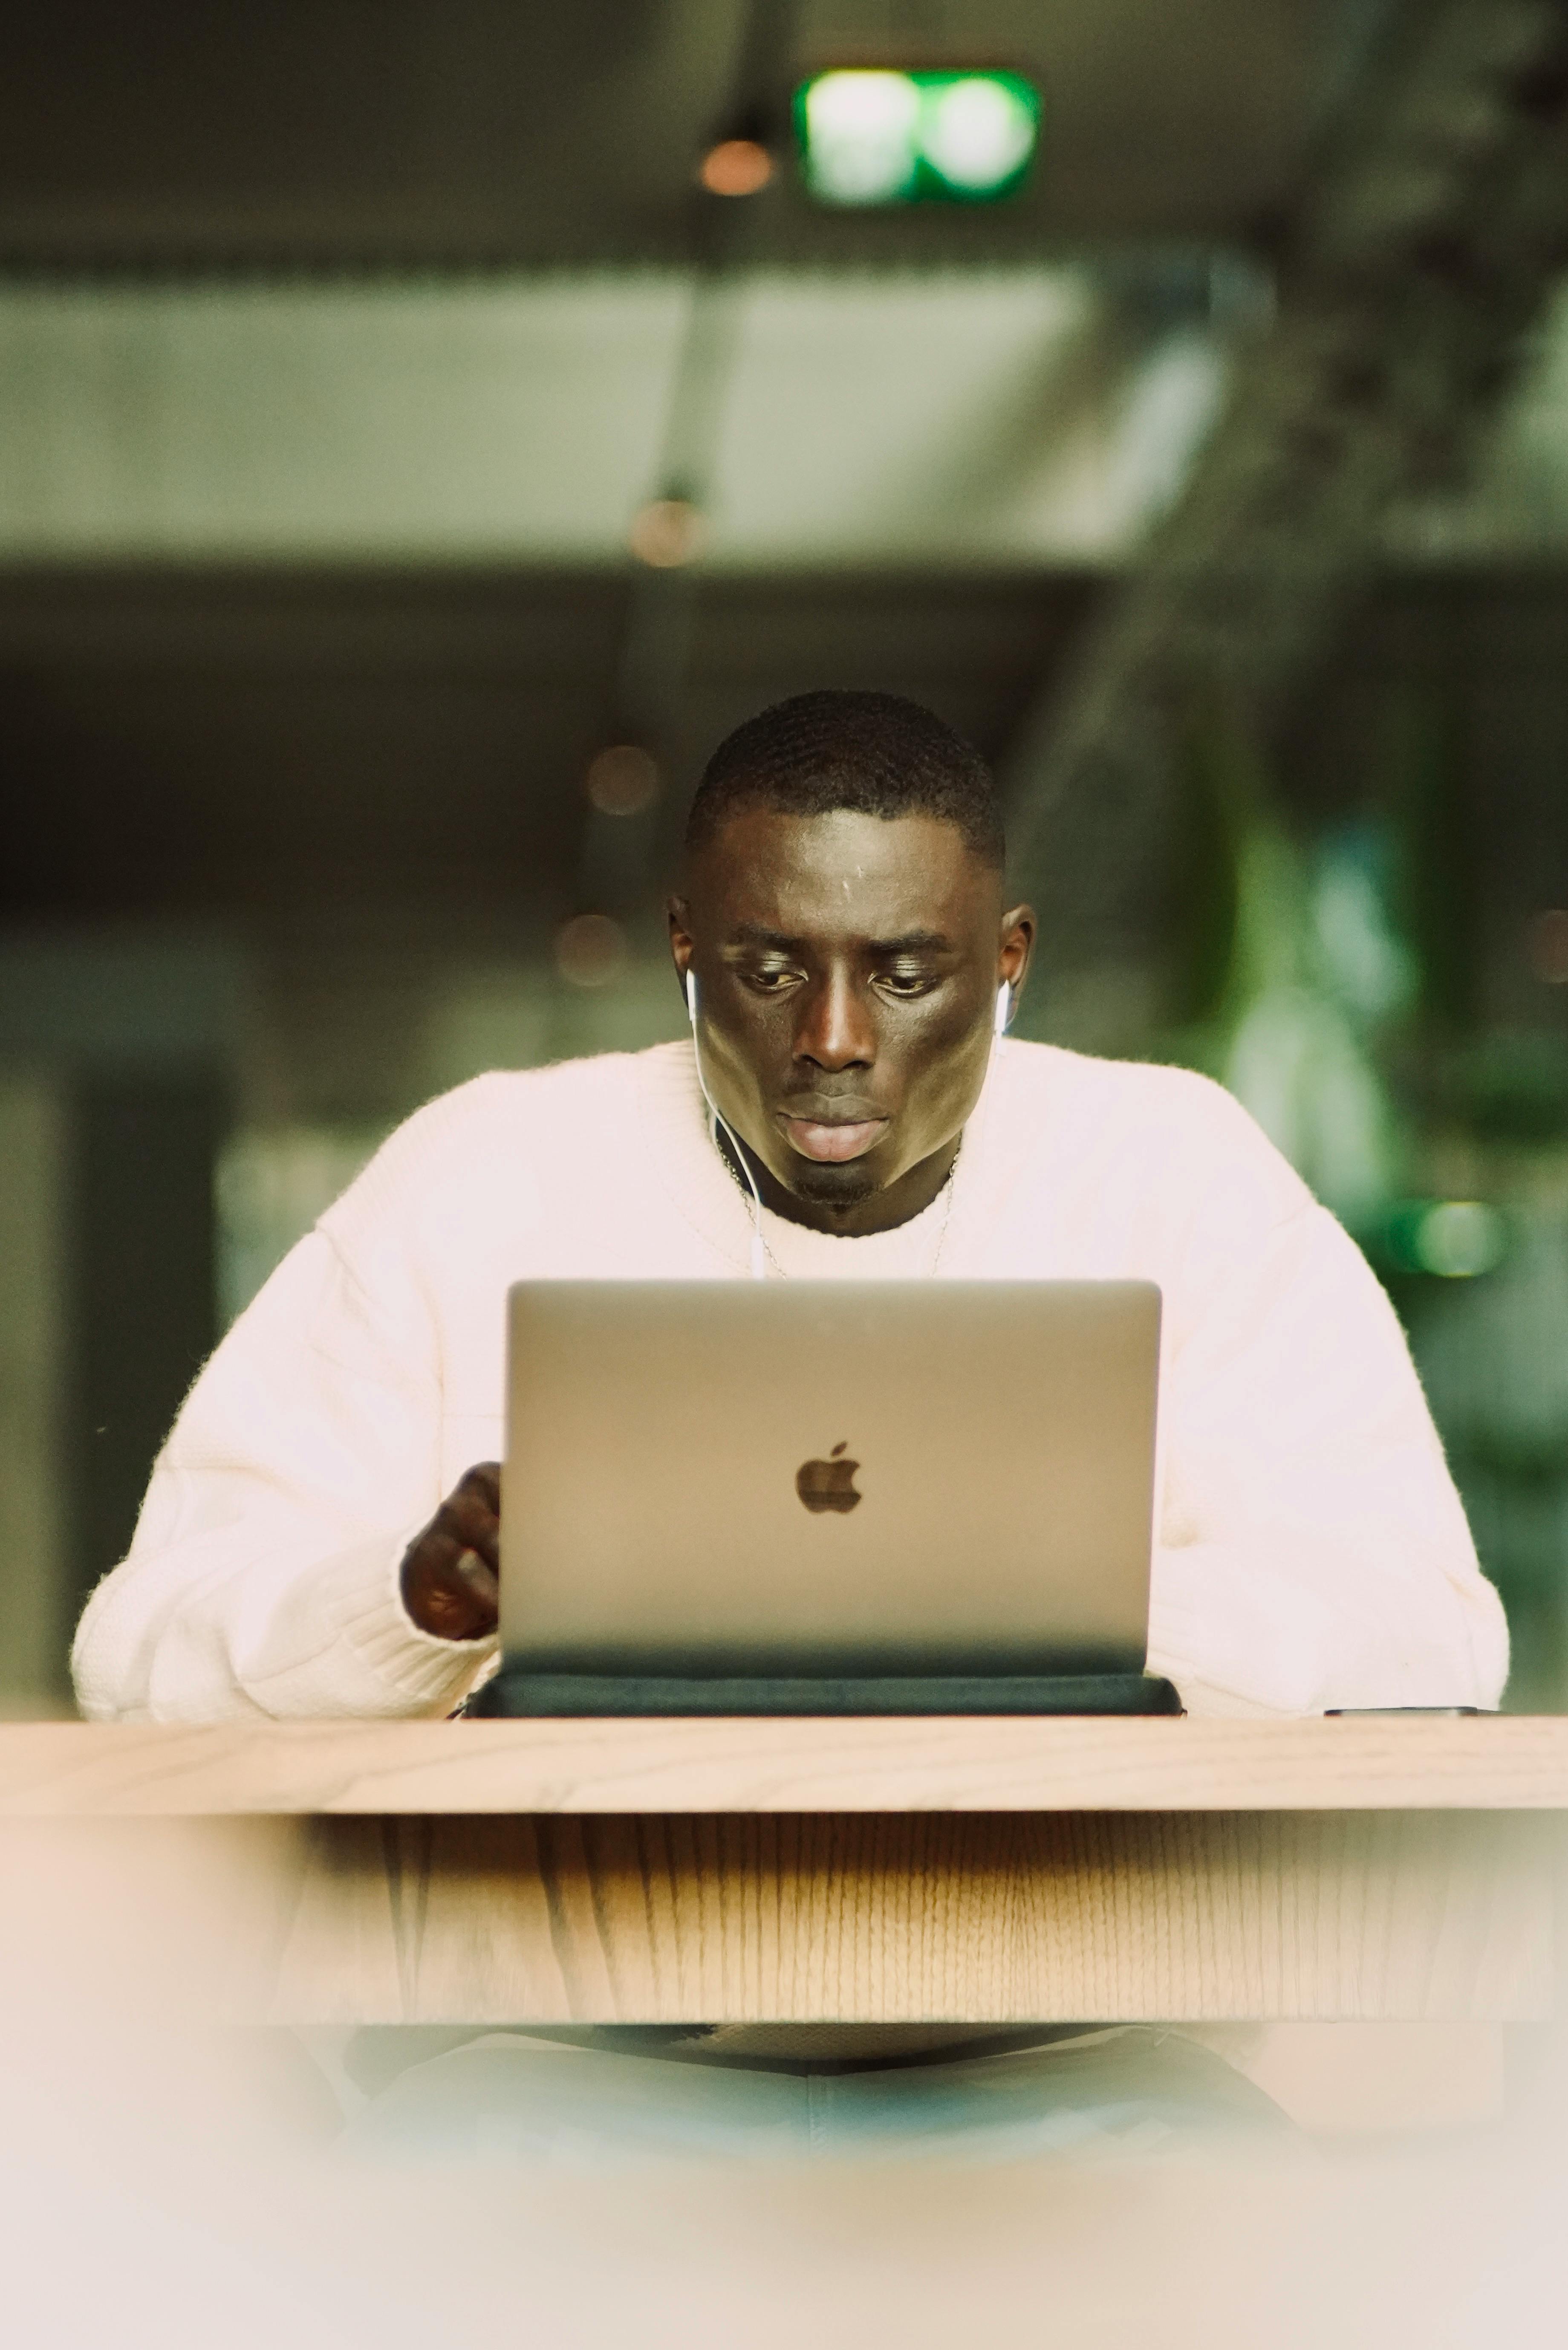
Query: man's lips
[{"x": 832, "y": 1140}]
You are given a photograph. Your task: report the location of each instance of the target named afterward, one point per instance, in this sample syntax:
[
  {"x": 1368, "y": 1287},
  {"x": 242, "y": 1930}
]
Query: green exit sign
[{"x": 871, "y": 137}]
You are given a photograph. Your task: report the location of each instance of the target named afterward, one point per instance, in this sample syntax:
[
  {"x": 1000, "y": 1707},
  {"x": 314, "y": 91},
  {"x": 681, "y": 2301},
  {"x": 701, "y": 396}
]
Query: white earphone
[
  {"x": 759, "y": 1248},
  {"x": 1002, "y": 1017}
]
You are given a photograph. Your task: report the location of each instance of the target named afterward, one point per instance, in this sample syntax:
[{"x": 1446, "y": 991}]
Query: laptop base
[{"x": 522, "y": 1694}]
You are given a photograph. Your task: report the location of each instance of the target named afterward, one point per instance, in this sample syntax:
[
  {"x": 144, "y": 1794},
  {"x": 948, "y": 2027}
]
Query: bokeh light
[
  {"x": 860, "y": 137},
  {"x": 977, "y": 133},
  {"x": 1460, "y": 1238},
  {"x": 666, "y": 532},
  {"x": 874, "y": 137},
  {"x": 1455, "y": 1239},
  {"x": 622, "y": 780},
  {"x": 591, "y": 951},
  {"x": 1547, "y": 946},
  {"x": 736, "y": 167}
]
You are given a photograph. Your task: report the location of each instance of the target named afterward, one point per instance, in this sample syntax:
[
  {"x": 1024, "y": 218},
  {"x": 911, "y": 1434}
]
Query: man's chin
[{"x": 823, "y": 1186}]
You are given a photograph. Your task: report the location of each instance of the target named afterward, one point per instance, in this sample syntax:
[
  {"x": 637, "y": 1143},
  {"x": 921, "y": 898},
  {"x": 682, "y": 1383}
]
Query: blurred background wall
[{"x": 409, "y": 468}]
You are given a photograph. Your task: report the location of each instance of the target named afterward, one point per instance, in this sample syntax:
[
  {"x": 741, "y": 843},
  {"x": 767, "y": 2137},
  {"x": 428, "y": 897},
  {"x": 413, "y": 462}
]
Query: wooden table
[{"x": 867, "y": 1870}]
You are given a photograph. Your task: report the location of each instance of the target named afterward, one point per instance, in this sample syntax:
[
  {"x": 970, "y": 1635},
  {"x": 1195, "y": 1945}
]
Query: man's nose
[{"x": 836, "y": 1030}]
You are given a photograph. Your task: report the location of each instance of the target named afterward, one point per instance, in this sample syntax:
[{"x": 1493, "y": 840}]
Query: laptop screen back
[{"x": 829, "y": 1478}]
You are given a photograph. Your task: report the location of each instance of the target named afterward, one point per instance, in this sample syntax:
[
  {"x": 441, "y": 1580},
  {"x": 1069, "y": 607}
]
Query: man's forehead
[{"x": 767, "y": 869}]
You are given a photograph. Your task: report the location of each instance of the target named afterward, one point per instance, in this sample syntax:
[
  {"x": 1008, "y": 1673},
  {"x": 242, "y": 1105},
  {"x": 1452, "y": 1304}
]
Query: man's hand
[{"x": 451, "y": 1572}]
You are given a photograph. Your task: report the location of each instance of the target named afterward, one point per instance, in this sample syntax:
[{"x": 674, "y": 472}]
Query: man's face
[{"x": 847, "y": 968}]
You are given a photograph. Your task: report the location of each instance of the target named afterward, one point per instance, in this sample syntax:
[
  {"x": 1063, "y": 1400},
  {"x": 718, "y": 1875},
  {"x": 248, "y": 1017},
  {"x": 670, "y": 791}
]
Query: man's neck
[{"x": 877, "y": 1212}]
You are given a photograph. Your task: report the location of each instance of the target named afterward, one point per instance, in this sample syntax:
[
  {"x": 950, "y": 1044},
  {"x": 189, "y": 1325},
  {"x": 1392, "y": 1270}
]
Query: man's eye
[
  {"x": 905, "y": 982},
  {"x": 770, "y": 980}
]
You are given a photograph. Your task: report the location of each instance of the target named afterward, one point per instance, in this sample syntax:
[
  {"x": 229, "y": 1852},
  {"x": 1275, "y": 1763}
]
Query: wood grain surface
[
  {"x": 867, "y": 1918},
  {"x": 1504, "y": 1762}
]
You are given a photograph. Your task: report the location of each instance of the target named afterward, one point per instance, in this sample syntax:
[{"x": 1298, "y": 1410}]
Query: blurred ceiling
[
  {"x": 1000, "y": 417},
  {"x": 339, "y": 344},
  {"x": 365, "y": 133}
]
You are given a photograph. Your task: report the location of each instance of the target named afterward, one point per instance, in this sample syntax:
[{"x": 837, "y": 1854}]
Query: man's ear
[
  {"x": 1016, "y": 949},
  {"x": 682, "y": 943}
]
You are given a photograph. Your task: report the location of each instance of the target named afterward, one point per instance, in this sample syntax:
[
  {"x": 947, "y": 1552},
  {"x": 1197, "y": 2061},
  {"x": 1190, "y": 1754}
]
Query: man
[{"x": 845, "y": 926}]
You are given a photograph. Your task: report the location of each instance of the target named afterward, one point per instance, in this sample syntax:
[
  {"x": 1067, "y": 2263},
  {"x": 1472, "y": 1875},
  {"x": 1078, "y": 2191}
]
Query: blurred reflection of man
[{"x": 845, "y": 922}]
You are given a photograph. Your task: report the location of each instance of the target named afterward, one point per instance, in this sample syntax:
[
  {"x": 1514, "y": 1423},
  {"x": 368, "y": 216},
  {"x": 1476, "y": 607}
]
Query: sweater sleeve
[
  {"x": 1314, "y": 1551},
  {"x": 263, "y": 1578}
]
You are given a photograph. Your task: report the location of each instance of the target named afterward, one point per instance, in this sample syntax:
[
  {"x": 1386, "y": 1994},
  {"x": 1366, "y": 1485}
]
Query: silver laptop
[{"x": 827, "y": 1478}]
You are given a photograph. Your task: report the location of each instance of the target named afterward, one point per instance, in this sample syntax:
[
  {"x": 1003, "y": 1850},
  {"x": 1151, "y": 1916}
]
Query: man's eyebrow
[
  {"x": 752, "y": 934},
  {"x": 913, "y": 943}
]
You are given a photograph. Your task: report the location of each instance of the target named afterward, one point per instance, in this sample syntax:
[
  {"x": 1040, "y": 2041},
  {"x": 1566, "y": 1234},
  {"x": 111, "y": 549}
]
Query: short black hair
[{"x": 874, "y": 753}]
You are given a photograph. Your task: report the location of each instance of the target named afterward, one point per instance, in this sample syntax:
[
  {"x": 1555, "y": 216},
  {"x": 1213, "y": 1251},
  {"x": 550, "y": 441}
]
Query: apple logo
[{"x": 829, "y": 1484}]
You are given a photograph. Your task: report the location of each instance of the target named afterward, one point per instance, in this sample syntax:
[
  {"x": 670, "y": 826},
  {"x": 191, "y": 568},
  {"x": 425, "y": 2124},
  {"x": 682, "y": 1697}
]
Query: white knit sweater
[{"x": 1311, "y": 1550}]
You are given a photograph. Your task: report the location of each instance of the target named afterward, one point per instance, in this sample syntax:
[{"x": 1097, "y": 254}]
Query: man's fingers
[
  {"x": 483, "y": 1479},
  {"x": 448, "y": 1590},
  {"x": 480, "y": 1578},
  {"x": 450, "y": 1576},
  {"x": 472, "y": 1514}
]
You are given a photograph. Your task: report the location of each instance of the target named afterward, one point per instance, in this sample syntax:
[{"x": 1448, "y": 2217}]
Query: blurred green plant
[
  {"x": 1288, "y": 969},
  {"x": 1510, "y": 1089},
  {"x": 1419, "y": 759},
  {"x": 1332, "y": 982}
]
